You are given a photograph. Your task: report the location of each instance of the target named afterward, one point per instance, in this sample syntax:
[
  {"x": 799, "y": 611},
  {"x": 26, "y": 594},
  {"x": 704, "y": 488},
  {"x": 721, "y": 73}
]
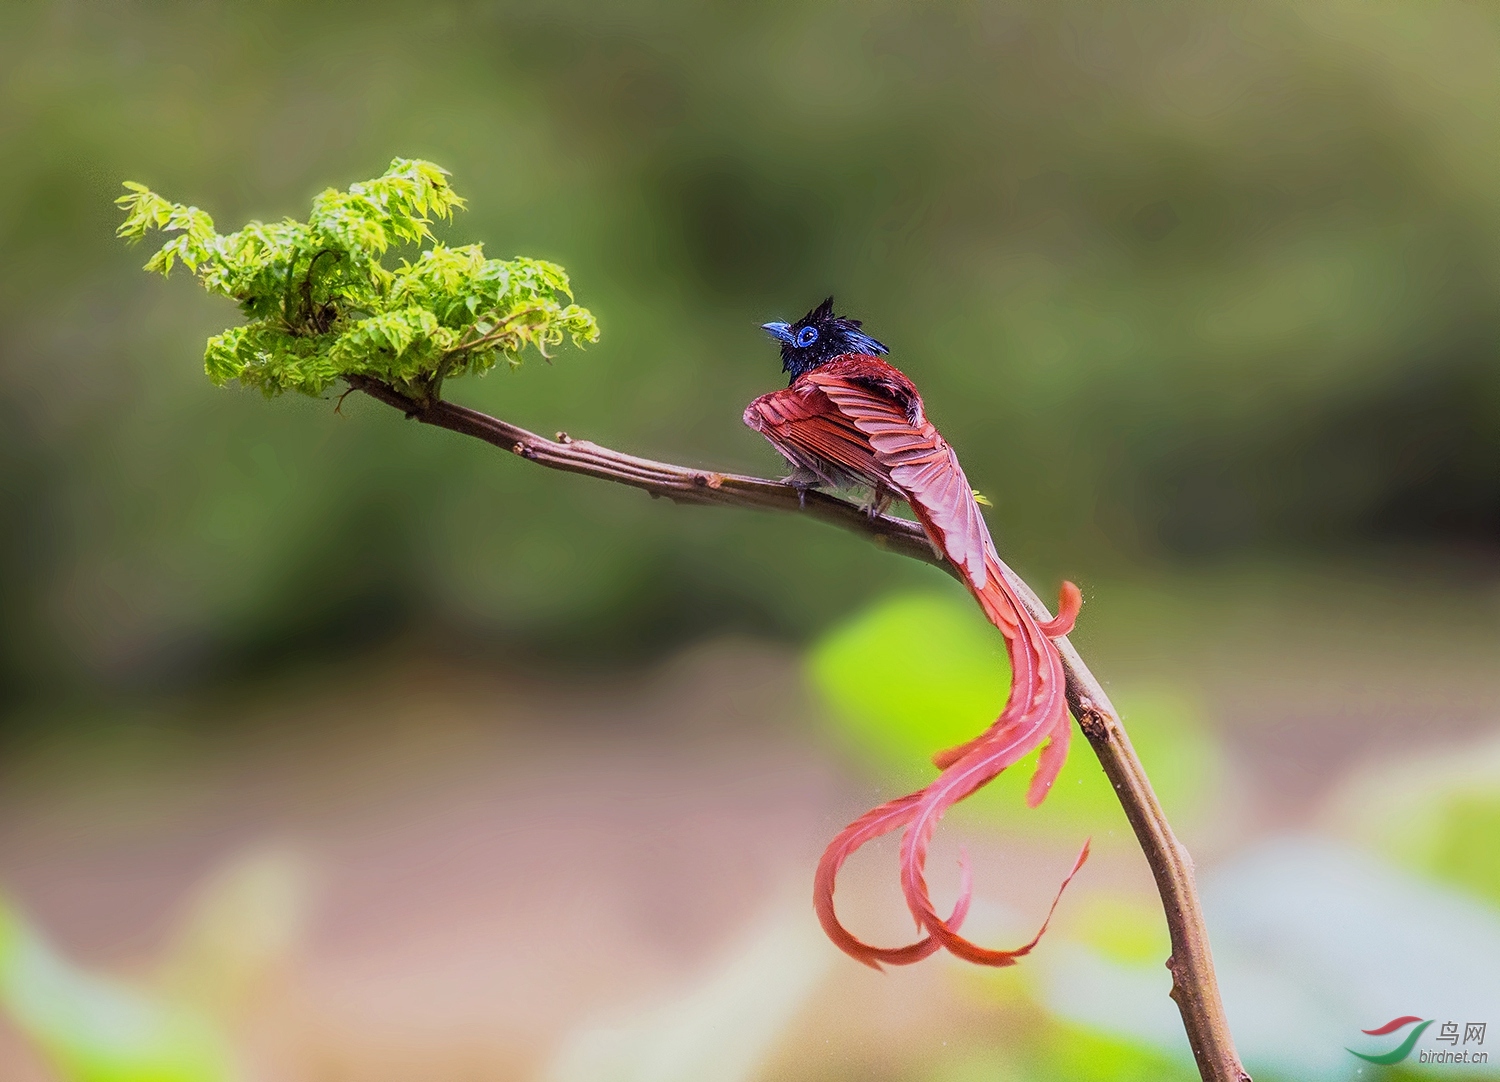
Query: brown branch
[{"x": 1194, "y": 987}]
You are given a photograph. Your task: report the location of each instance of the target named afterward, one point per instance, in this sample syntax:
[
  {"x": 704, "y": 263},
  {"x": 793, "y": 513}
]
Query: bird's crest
[{"x": 818, "y": 338}]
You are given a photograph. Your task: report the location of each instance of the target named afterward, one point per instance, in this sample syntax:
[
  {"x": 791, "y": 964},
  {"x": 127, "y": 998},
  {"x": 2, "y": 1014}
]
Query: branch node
[
  {"x": 1179, "y": 994},
  {"x": 1093, "y": 721},
  {"x": 563, "y": 437}
]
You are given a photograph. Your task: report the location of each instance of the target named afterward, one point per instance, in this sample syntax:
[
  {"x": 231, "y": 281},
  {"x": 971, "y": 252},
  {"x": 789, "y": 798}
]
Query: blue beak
[{"x": 780, "y": 331}]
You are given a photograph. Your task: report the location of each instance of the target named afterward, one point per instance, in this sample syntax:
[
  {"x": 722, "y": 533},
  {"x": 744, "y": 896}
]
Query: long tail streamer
[{"x": 1035, "y": 712}]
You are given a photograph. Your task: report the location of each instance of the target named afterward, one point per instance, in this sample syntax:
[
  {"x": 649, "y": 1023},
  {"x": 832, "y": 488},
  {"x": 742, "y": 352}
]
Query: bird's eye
[{"x": 806, "y": 337}]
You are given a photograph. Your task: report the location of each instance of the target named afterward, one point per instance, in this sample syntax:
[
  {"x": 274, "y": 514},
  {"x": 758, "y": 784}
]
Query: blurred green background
[
  {"x": 1180, "y": 283},
  {"x": 452, "y": 754}
]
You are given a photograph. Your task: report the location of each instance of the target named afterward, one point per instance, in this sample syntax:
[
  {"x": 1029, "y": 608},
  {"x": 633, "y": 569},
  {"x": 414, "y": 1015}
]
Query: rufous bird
[{"x": 849, "y": 419}]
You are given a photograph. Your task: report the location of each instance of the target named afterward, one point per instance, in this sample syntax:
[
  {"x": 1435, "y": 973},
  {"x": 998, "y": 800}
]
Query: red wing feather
[
  {"x": 810, "y": 432},
  {"x": 919, "y": 465}
]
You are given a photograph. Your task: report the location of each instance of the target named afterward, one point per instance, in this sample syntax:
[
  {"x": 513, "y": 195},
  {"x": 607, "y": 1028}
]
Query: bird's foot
[{"x": 802, "y": 480}]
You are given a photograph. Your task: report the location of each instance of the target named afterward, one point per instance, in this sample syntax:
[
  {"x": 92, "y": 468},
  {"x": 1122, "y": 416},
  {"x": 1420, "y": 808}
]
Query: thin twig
[
  {"x": 501, "y": 330},
  {"x": 1194, "y": 987}
]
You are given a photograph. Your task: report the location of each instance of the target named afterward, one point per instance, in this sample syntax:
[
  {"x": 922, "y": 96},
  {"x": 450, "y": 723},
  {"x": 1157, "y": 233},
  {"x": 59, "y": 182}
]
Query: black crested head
[{"x": 818, "y": 338}]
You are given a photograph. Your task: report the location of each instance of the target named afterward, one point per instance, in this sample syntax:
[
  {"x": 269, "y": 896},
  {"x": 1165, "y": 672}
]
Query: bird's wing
[
  {"x": 811, "y": 432},
  {"x": 920, "y": 465}
]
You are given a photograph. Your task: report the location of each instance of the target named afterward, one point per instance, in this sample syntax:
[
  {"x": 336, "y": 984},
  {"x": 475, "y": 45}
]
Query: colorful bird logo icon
[{"x": 1402, "y": 1050}]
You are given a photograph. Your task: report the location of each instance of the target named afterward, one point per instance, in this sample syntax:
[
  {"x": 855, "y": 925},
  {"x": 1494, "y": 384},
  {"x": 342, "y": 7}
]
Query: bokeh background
[{"x": 336, "y": 749}]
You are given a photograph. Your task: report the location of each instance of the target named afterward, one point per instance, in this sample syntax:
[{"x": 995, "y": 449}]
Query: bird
[{"x": 848, "y": 419}]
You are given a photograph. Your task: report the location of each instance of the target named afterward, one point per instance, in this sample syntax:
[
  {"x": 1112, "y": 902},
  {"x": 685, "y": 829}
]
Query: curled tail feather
[{"x": 1035, "y": 712}]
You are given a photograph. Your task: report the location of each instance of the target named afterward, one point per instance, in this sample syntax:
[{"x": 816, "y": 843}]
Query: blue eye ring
[{"x": 806, "y": 337}]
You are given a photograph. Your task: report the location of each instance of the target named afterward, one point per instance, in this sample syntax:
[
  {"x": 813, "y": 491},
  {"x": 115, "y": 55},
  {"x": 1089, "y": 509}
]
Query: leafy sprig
[{"x": 321, "y": 304}]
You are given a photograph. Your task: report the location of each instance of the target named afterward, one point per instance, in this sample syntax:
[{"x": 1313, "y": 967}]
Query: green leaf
[{"x": 321, "y": 304}]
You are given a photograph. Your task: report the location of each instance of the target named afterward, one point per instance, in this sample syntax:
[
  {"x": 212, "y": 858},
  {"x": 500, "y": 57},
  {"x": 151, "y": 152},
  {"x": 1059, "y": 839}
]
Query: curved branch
[{"x": 1194, "y": 987}]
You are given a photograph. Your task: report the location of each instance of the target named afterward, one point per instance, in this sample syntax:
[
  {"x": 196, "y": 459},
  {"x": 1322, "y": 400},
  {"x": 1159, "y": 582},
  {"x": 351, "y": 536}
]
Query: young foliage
[{"x": 322, "y": 304}]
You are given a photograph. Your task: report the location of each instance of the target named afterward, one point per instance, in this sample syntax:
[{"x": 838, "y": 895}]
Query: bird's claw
[{"x": 802, "y": 480}]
